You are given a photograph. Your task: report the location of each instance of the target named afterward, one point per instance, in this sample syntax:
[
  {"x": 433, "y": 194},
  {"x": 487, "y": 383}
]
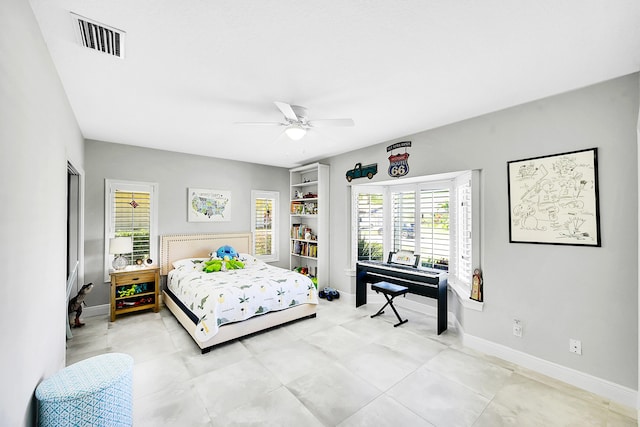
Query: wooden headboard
[{"x": 179, "y": 246}]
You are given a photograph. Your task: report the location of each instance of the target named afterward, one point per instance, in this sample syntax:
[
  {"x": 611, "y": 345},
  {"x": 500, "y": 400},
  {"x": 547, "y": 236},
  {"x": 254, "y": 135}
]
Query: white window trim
[
  {"x": 461, "y": 289},
  {"x": 265, "y": 194},
  {"x": 109, "y": 186},
  {"x": 355, "y": 190},
  {"x": 426, "y": 183}
]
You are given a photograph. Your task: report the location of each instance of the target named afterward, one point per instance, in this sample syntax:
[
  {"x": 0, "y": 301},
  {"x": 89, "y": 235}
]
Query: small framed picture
[{"x": 404, "y": 258}]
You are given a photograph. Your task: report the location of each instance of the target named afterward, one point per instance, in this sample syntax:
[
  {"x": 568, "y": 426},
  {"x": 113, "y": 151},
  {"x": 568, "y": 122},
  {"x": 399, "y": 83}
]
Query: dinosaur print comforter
[{"x": 236, "y": 295}]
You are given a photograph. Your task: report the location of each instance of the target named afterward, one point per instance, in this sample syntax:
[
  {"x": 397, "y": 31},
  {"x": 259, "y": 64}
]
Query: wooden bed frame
[{"x": 174, "y": 247}]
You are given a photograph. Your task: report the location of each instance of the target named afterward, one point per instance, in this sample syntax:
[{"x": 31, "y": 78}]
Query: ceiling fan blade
[
  {"x": 331, "y": 122},
  {"x": 287, "y": 111},
  {"x": 260, "y": 123}
]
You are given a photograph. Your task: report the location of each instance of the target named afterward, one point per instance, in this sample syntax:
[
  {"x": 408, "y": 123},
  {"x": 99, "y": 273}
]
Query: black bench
[{"x": 390, "y": 291}]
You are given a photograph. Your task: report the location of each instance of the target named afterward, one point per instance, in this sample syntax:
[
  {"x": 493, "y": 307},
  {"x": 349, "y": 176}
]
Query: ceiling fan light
[{"x": 295, "y": 132}]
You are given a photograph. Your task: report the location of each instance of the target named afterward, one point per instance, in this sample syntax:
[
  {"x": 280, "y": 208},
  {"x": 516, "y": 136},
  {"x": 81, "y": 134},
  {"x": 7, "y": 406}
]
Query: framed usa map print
[{"x": 208, "y": 205}]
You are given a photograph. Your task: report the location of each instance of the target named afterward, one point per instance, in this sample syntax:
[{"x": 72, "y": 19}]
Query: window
[
  {"x": 434, "y": 228},
  {"x": 264, "y": 214},
  {"x": 467, "y": 238},
  {"x": 370, "y": 226},
  {"x": 431, "y": 217},
  {"x": 403, "y": 220},
  {"x": 131, "y": 211},
  {"x": 420, "y": 223}
]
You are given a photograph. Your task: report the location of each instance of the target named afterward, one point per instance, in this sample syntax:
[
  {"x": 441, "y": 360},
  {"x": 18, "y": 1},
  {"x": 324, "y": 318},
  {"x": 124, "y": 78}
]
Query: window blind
[
  {"x": 403, "y": 221},
  {"x": 263, "y": 231},
  {"x": 434, "y": 228},
  {"x": 264, "y": 224},
  {"x": 464, "y": 238},
  {"x": 132, "y": 218},
  {"x": 370, "y": 226},
  {"x": 433, "y": 218}
]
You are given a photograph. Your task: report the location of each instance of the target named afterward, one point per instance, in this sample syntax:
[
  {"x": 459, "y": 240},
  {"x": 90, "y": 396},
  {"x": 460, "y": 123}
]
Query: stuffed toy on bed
[
  {"x": 228, "y": 251},
  {"x": 224, "y": 264}
]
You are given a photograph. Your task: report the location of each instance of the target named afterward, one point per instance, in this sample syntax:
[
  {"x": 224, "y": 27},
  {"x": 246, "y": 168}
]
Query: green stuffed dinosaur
[{"x": 214, "y": 265}]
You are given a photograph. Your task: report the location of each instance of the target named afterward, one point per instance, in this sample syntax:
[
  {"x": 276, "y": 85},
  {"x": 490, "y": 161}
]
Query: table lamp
[{"x": 117, "y": 247}]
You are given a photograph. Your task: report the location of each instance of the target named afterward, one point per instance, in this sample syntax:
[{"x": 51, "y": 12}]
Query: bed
[{"x": 203, "y": 303}]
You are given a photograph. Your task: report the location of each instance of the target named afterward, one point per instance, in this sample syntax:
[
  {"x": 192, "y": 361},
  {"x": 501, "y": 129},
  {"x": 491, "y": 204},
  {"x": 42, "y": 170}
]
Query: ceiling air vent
[{"x": 99, "y": 37}]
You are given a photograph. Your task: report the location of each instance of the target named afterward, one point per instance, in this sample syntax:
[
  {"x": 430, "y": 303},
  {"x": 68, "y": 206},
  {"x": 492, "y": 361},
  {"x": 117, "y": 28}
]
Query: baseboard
[
  {"x": 612, "y": 391},
  {"x": 96, "y": 310},
  {"x": 607, "y": 389}
]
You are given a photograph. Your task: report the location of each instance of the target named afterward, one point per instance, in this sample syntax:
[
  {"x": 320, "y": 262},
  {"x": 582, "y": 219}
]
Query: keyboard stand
[{"x": 390, "y": 291}]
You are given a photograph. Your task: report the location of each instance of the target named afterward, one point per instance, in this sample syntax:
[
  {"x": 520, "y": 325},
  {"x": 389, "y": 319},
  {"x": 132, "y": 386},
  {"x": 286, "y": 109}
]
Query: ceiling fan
[{"x": 297, "y": 123}]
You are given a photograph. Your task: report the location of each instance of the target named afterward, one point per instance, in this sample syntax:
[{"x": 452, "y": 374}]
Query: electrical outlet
[
  {"x": 517, "y": 328},
  {"x": 575, "y": 346}
]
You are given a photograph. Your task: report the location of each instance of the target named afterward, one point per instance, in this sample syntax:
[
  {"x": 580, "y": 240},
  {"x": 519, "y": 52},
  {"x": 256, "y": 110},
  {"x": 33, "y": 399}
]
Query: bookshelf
[{"x": 309, "y": 221}]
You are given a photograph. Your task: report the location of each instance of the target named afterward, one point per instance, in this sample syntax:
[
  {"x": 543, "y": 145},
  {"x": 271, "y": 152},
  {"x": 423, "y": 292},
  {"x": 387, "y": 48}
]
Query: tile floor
[{"x": 340, "y": 369}]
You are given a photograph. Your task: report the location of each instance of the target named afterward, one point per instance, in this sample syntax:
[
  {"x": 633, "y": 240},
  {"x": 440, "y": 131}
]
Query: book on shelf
[
  {"x": 297, "y": 231},
  {"x": 307, "y": 249},
  {"x": 296, "y": 247},
  {"x": 302, "y": 232}
]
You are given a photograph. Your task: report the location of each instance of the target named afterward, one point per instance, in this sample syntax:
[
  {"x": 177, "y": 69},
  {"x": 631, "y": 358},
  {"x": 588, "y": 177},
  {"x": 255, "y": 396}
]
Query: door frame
[{"x": 75, "y": 223}]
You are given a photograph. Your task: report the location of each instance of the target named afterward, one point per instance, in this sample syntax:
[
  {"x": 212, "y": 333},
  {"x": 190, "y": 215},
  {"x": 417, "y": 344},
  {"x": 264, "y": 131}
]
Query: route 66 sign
[{"x": 398, "y": 163}]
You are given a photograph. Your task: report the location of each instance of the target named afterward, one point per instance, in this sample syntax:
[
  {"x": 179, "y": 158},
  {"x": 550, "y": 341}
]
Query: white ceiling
[{"x": 194, "y": 67}]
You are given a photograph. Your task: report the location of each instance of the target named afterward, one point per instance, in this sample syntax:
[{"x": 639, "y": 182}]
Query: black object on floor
[
  {"x": 329, "y": 293},
  {"x": 390, "y": 291}
]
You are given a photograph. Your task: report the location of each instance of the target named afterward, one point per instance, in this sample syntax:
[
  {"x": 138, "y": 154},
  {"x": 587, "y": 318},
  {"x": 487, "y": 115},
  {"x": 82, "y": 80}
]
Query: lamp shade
[
  {"x": 120, "y": 245},
  {"x": 295, "y": 132}
]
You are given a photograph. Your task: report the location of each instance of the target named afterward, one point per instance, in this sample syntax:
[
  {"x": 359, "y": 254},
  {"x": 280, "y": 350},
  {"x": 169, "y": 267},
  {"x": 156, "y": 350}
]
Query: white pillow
[
  {"x": 248, "y": 259},
  {"x": 189, "y": 263}
]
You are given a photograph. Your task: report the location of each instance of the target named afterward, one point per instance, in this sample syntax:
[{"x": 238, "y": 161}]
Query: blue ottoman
[{"x": 93, "y": 392}]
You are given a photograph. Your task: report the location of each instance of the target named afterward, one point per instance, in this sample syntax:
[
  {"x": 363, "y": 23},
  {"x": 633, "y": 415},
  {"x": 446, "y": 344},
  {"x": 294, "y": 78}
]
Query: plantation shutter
[
  {"x": 264, "y": 224},
  {"x": 434, "y": 228},
  {"x": 464, "y": 239},
  {"x": 263, "y": 231},
  {"x": 440, "y": 220},
  {"x": 131, "y": 210},
  {"x": 403, "y": 221},
  {"x": 132, "y": 218},
  {"x": 370, "y": 226}
]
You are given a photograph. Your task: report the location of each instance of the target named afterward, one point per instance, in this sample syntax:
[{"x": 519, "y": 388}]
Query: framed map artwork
[
  {"x": 208, "y": 205},
  {"x": 554, "y": 199}
]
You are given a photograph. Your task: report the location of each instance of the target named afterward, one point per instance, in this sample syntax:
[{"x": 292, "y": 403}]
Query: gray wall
[
  {"x": 174, "y": 172},
  {"x": 38, "y": 135},
  {"x": 559, "y": 292}
]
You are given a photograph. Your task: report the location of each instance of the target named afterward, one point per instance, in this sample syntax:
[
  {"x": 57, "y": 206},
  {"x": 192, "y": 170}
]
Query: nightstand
[{"x": 134, "y": 289}]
